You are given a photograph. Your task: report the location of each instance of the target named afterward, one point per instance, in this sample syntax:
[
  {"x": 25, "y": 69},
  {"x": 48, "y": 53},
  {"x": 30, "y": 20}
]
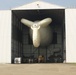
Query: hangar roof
[{"x": 38, "y": 5}]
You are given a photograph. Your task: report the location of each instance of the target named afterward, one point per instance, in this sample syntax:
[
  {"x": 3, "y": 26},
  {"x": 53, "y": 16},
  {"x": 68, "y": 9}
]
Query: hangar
[{"x": 15, "y": 41}]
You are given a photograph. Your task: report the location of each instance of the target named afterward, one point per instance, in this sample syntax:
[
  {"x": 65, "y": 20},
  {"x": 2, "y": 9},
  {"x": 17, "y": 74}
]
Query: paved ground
[{"x": 37, "y": 69}]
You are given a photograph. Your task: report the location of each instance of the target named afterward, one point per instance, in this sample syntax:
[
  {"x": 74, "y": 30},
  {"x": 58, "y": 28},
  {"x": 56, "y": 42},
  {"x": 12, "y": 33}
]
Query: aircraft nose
[{"x": 35, "y": 26}]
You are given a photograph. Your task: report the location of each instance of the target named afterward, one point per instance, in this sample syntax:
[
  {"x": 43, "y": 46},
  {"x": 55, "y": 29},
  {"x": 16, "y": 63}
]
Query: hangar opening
[{"x": 22, "y": 45}]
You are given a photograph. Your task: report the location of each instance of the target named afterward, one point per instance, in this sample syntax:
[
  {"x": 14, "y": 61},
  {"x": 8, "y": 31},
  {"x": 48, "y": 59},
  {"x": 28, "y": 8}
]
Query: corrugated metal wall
[
  {"x": 16, "y": 38},
  {"x": 70, "y": 18},
  {"x": 5, "y": 36}
]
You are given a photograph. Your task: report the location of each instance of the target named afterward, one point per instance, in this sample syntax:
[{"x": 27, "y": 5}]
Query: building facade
[{"x": 14, "y": 36}]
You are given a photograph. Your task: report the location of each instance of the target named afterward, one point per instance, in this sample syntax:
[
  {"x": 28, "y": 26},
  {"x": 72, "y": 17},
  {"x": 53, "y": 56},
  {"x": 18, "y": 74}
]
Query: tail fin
[{"x": 27, "y": 22}]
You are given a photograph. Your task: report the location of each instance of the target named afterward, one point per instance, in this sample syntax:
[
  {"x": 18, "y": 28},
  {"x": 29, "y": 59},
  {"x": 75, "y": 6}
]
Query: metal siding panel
[
  {"x": 5, "y": 36},
  {"x": 38, "y": 5},
  {"x": 70, "y": 18}
]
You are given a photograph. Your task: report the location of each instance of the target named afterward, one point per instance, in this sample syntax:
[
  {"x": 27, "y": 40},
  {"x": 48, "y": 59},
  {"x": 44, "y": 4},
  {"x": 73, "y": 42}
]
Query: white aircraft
[{"x": 40, "y": 31}]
